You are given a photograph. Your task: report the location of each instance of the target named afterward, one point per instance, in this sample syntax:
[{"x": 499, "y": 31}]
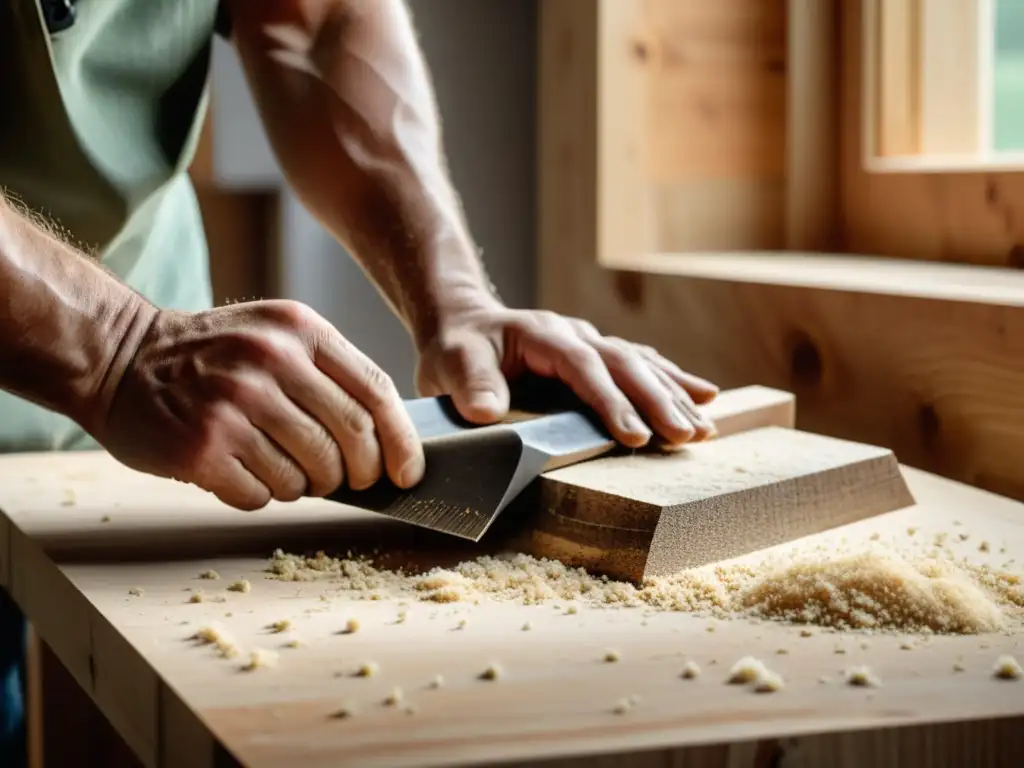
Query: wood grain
[
  {"x": 692, "y": 123},
  {"x": 636, "y": 517},
  {"x": 180, "y": 705},
  {"x": 938, "y": 380}
]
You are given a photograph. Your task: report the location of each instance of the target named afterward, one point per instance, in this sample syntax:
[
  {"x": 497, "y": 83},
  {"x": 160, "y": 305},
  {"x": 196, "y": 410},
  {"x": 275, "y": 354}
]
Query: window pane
[{"x": 1008, "y": 121}]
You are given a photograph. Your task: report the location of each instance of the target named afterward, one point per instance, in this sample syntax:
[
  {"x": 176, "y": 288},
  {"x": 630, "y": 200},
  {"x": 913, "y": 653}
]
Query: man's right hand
[{"x": 257, "y": 401}]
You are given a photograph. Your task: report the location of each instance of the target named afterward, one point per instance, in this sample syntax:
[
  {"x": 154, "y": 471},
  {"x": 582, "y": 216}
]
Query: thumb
[{"x": 472, "y": 375}]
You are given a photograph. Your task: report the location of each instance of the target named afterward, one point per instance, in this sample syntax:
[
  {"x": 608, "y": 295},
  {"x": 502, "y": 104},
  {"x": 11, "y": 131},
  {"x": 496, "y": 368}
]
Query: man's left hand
[{"x": 633, "y": 388}]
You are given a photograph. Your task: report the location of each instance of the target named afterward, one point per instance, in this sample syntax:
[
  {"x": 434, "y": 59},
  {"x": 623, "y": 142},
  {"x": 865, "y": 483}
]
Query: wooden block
[
  {"x": 746, "y": 408},
  {"x": 635, "y": 517}
]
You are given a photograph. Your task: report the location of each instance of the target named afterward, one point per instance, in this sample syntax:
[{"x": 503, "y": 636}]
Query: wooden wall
[{"x": 939, "y": 381}]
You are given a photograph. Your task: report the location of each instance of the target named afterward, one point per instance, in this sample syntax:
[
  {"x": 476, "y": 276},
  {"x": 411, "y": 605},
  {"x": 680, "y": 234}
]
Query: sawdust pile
[{"x": 933, "y": 592}]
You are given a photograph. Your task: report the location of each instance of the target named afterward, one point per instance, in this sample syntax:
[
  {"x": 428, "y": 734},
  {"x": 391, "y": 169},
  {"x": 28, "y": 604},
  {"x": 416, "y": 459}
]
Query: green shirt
[{"x": 99, "y": 124}]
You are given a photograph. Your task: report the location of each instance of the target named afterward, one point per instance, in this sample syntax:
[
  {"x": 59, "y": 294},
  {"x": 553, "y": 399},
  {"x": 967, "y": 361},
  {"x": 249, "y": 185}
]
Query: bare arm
[
  {"x": 347, "y": 102},
  {"x": 65, "y": 323},
  {"x": 345, "y": 95}
]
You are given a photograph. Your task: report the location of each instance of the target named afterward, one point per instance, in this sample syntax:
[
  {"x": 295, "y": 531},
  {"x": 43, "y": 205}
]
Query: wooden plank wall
[
  {"x": 940, "y": 382},
  {"x": 692, "y": 134}
]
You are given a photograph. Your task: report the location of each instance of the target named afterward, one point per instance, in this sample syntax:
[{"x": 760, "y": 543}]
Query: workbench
[{"x": 103, "y": 560}]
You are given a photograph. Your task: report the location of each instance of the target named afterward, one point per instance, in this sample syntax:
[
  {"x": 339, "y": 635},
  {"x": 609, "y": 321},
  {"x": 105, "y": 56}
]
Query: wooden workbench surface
[{"x": 79, "y": 534}]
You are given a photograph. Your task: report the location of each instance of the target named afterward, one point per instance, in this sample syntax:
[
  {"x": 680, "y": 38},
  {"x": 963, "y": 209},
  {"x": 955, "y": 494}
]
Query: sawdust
[{"x": 865, "y": 587}]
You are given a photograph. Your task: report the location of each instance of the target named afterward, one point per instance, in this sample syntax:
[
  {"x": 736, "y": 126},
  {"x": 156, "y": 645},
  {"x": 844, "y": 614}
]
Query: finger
[
  {"x": 270, "y": 465},
  {"x": 231, "y": 482},
  {"x": 637, "y": 378},
  {"x": 303, "y": 438},
  {"x": 579, "y": 365},
  {"x": 350, "y": 426},
  {"x": 704, "y": 428},
  {"x": 369, "y": 419},
  {"x": 472, "y": 375},
  {"x": 700, "y": 390}
]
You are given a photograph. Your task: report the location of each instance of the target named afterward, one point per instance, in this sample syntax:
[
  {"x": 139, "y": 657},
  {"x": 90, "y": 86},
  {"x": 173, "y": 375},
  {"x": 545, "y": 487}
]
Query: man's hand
[
  {"x": 258, "y": 401},
  {"x": 630, "y": 386}
]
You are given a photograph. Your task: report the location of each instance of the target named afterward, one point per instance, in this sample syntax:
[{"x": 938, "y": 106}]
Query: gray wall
[{"x": 482, "y": 54}]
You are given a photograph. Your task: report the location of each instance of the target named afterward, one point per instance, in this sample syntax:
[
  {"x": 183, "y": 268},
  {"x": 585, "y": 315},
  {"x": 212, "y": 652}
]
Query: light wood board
[
  {"x": 179, "y": 705},
  {"x": 636, "y": 517}
]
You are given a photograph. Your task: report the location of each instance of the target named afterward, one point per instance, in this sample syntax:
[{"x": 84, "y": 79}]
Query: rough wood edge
[{"x": 882, "y": 489}]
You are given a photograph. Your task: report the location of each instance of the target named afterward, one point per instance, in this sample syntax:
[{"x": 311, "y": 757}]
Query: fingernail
[
  {"x": 633, "y": 424},
  {"x": 683, "y": 421},
  {"x": 413, "y": 471},
  {"x": 485, "y": 400}
]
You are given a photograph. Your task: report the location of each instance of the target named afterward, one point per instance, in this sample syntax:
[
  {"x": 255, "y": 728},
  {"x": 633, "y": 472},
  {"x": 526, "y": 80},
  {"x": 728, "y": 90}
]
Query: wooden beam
[
  {"x": 812, "y": 125},
  {"x": 895, "y": 43},
  {"x": 691, "y": 122},
  {"x": 950, "y": 77}
]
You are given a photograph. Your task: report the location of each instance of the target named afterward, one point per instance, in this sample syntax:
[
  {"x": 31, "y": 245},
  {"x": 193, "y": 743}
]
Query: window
[{"x": 944, "y": 85}]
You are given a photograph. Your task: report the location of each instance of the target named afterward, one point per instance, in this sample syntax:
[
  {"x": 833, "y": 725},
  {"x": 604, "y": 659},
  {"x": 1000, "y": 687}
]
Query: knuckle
[
  {"x": 380, "y": 388},
  {"x": 325, "y": 468},
  {"x": 548, "y": 318},
  {"x": 355, "y": 420},
  {"x": 292, "y": 314},
  {"x": 577, "y": 356}
]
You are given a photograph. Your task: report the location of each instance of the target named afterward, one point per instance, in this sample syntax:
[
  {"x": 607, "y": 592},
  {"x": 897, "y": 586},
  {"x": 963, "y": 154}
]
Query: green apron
[{"x": 98, "y": 124}]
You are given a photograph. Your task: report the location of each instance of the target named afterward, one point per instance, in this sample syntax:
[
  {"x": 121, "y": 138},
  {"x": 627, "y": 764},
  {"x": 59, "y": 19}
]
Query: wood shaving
[
  {"x": 876, "y": 589},
  {"x": 260, "y": 658},
  {"x": 369, "y": 669},
  {"x": 622, "y": 706},
  {"x": 862, "y": 677},
  {"x": 214, "y": 636},
  {"x": 769, "y": 682},
  {"x": 1008, "y": 668},
  {"x": 242, "y": 585},
  {"x": 746, "y": 670},
  {"x": 493, "y": 672}
]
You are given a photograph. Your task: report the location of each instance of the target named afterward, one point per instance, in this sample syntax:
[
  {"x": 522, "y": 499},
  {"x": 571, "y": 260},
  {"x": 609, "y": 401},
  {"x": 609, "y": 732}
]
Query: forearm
[
  {"x": 65, "y": 323},
  {"x": 349, "y": 108}
]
